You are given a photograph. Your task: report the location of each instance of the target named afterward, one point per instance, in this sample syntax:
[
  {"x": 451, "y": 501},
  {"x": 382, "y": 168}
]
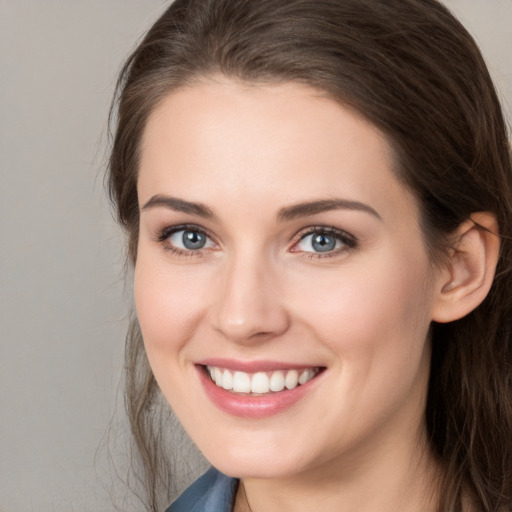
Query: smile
[
  {"x": 257, "y": 389},
  {"x": 260, "y": 383}
]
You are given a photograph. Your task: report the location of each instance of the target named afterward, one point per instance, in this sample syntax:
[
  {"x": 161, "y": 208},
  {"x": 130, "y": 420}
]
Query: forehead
[
  {"x": 259, "y": 139},
  {"x": 223, "y": 106}
]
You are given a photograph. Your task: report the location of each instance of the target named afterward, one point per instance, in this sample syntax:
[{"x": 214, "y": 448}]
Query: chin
[
  {"x": 260, "y": 468},
  {"x": 268, "y": 462}
]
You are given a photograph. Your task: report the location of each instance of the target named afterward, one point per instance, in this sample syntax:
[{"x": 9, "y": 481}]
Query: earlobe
[{"x": 467, "y": 276}]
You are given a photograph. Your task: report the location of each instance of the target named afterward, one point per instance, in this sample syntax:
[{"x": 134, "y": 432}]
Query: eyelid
[{"x": 169, "y": 230}]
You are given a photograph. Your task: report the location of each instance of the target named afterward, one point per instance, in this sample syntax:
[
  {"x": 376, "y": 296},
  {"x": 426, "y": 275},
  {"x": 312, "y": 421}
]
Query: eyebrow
[
  {"x": 287, "y": 213},
  {"x": 313, "y": 207},
  {"x": 179, "y": 205}
]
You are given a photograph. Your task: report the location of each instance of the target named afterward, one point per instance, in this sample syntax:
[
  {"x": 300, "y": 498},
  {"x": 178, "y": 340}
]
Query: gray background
[{"x": 62, "y": 300}]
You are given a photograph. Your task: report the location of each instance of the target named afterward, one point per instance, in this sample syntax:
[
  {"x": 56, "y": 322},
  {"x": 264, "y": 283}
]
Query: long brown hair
[{"x": 411, "y": 69}]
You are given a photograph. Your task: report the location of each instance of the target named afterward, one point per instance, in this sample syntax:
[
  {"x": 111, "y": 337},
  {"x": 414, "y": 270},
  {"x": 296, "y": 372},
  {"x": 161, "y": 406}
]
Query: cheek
[
  {"x": 370, "y": 309},
  {"x": 376, "y": 326},
  {"x": 168, "y": 304}
]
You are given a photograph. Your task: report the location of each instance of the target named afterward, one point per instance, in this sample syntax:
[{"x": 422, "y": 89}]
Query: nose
[{"x": 250, "y": 306}]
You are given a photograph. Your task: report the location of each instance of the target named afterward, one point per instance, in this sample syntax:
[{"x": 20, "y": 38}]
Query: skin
[{"x": 356, "y": 439}]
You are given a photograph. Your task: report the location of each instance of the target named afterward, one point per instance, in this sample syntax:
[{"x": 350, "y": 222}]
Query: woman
[{"x": 318, "y": 201}]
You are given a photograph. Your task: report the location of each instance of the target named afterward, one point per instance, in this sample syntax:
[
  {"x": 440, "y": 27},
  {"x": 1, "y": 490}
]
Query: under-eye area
[{"x": 259, "y": 383}]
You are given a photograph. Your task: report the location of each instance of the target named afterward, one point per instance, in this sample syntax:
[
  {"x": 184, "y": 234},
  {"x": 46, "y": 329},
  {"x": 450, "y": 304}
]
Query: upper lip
[{"x": 254, "y": 366}]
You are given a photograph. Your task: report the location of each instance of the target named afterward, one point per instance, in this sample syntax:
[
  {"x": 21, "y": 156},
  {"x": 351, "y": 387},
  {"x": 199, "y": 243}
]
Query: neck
[{"x": 386, "y": 479}]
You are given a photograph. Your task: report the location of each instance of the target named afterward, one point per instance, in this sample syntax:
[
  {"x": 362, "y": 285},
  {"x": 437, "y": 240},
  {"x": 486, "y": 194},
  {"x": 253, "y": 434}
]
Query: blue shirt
[{"x": 212, "y": 492}]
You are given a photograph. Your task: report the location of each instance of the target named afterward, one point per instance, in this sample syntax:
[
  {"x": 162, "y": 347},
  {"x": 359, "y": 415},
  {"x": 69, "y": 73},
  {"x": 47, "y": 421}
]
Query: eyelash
[{"x": 349, "y": 241}]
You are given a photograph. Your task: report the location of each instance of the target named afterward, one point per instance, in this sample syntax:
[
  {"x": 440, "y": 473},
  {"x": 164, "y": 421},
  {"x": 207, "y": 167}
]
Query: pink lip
[{"x": 246, "y": 406}]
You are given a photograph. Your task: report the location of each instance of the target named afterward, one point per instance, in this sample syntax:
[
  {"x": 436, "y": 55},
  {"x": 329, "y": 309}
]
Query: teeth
[
  {"x": 305, "y": 376},
  {"x": 227, "y": 380},
  {"x": 241, "y": 382},
  {"x": 217, "y": 376},
  {"x": 277, "y": 381},
  {"x": 292, "y": 379},
  {"x": 260, "y": 382}
]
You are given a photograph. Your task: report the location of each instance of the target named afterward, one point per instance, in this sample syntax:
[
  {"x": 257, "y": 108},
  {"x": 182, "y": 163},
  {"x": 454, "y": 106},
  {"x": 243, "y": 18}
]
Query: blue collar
[{"x": 212, "y": 492}]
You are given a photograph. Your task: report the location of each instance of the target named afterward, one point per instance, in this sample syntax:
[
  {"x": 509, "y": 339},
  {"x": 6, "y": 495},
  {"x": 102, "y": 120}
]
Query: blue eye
[
  {"x": 189, "y": 240},
  {"x": 324, "y": 241}
]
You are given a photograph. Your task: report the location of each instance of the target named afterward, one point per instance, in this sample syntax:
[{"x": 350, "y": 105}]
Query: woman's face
[{"x": 279, "y": 253}]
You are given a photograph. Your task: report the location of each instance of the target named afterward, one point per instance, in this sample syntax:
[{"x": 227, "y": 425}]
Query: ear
[{"x": 466, "y": 277}]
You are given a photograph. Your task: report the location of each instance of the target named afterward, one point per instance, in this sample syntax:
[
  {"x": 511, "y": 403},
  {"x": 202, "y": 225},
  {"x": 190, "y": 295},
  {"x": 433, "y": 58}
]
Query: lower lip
[{"x": 247, "y": 406}]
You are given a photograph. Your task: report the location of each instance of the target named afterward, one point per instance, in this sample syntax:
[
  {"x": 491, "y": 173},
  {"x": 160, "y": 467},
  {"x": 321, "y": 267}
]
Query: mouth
[
  {"x": 260, "y": 383},
  {"x": 257, "y": 389}
]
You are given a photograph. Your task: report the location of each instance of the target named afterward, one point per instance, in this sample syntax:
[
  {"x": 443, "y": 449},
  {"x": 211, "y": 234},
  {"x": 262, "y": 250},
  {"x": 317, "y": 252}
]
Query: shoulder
[{"x": 212, "y": 492}]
